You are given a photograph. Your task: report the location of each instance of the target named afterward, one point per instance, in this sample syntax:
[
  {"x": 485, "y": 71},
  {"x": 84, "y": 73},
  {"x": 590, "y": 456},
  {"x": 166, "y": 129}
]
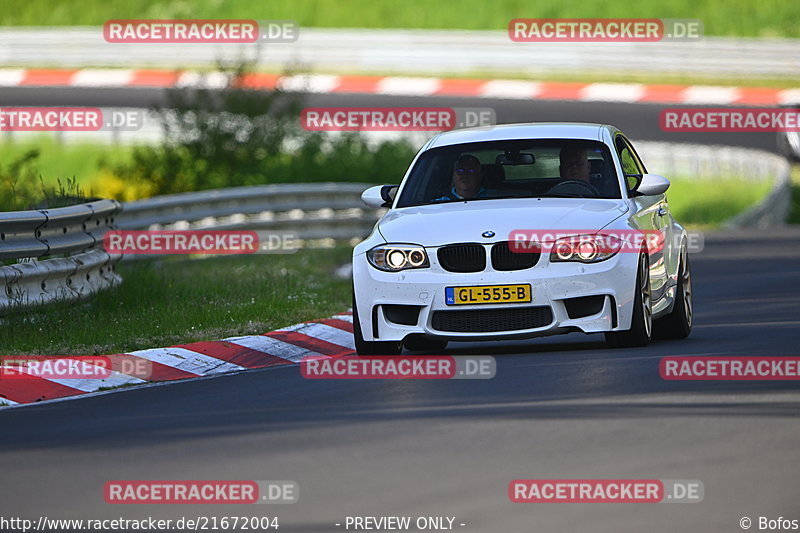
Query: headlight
[
  {"x": 585, "y": 248},
  {"x": 397, "y": 257}
]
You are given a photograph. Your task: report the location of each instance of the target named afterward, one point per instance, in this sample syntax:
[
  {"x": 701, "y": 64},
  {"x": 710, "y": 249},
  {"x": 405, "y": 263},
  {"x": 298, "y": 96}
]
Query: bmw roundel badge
[{"x": 487, "y": 234}]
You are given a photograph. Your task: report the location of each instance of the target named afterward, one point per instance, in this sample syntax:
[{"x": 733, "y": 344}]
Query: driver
[
  {"x": 574, "y": 164},
  {"x": 467, "y": 180}
]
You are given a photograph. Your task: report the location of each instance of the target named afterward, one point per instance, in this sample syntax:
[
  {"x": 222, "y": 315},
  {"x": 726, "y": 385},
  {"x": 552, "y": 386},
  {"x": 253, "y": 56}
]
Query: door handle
[{"x": 662, "y": 211}]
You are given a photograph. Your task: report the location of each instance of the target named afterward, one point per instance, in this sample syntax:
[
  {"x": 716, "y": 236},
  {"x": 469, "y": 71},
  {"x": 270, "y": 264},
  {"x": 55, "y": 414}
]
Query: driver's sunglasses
[{"x": 469, "y": 171}]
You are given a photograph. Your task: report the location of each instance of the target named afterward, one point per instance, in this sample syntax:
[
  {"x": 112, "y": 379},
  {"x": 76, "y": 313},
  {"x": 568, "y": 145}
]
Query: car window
[
  {"x": 511, "y": 169},
  {"x": 630, "y": 162}
]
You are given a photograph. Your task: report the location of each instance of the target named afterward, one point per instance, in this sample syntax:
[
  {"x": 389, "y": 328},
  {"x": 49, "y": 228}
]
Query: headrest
[
  {"x": 597, "y": 166},
  {"x": 493, "y": 175}
]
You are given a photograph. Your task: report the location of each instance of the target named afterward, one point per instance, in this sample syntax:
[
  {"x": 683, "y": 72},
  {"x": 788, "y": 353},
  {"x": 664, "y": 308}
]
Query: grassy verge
[
  {"x": 181, "y": 300},
  {"x": 81, "y": 160},
  {"x": 756, "y": 18},
  {"x": 708, "y": 203}
]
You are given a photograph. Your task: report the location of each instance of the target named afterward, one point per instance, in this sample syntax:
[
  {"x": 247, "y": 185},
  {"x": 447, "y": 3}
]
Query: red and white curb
[
  {"x": 410, "y": 86},
  {"x": 330, "y": 337}
]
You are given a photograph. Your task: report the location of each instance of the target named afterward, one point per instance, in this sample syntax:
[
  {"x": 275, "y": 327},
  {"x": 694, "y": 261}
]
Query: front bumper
[{"x": 553, "y": 286}]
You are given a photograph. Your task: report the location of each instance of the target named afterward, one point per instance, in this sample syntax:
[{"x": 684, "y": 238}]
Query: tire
[
  {"x": 369, "y": 347},
  {"x": 786, "y": 149},
  {"x": 419, "y": 343},
  {"x": 678, "y": 324},
  {"x": 642, "y": 321}
]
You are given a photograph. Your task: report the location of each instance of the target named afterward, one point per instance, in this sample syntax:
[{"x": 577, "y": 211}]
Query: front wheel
[
  {"x": 642, "y": 321},
  {"x": 678, "y": 324},
  {"x": 370, "y": 347}
]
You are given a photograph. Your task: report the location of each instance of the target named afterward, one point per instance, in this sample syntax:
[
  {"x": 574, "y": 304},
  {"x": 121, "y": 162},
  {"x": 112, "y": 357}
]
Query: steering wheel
[{"x": 567, "y": 184}]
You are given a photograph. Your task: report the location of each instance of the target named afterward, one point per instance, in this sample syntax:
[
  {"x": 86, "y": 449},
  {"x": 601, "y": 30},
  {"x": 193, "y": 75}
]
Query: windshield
[{"x": 554, "y": 168}]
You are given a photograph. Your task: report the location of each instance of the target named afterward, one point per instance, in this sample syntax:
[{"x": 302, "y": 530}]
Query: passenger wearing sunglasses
[{"x": 467, "y": 180}]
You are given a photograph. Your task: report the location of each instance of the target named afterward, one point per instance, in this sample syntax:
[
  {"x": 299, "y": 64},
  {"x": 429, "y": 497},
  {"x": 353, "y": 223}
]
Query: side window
[
  {"x": 636, "y": 158},
  {"x": 631, "y": 165}
]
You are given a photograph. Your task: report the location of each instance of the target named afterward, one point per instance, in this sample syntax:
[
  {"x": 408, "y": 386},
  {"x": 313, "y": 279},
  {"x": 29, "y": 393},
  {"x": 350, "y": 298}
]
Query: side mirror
[
  {"x": 379, "y": 196},
  {"x": 652, "y": 185}
]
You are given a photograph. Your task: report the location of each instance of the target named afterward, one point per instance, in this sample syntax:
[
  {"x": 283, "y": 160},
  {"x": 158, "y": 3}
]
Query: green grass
[
  {"x": 60, "y": 161},
  {"x": 708, "y": 203},
  {"x": 162, "y": 303},
  {"x": 756, "y": 18}
]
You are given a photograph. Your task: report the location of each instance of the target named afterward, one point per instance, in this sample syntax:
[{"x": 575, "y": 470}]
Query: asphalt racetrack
[
  {"x": 640, "y": 122},
  {"x": 561, "y": 407}
]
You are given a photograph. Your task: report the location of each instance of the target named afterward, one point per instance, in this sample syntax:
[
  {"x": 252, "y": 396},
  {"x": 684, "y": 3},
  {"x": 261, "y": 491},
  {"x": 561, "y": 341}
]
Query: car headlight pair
[
  {"x": 585, "y": 248},
  {"x": 397, "y": 257}
]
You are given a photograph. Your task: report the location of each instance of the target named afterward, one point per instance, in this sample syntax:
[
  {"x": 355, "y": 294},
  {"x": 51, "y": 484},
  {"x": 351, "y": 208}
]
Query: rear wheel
[
  {"x": 420, "y": 343},
  {"x": 642, "y": 321},
  {"x": 678, "y": 324},
  {"x": 370, "y": 347}
]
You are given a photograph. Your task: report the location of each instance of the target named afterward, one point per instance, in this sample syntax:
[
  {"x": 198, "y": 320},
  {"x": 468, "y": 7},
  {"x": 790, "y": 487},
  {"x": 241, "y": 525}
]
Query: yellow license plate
[{"x": 487, "y": 294}]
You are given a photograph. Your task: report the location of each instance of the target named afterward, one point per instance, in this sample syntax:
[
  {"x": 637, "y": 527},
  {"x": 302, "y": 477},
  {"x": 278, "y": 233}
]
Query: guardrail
[
  {"x": 309, "y": 210},
  {"x": 704, "y": 162},
  {"x": 411, "y": 52},
  {"x": 61, "y": 259}
]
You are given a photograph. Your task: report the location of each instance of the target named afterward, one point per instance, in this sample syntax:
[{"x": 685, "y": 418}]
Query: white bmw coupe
[{"x": 521, "y": 231}]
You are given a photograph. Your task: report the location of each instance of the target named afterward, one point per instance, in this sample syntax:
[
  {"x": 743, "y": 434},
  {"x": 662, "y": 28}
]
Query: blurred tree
[{"x": 236, "y": 136}]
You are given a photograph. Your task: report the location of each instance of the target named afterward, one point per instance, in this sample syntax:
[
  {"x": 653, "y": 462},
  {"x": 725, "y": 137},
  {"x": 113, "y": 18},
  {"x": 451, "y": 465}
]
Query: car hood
[{"x": 439, "y": 224}]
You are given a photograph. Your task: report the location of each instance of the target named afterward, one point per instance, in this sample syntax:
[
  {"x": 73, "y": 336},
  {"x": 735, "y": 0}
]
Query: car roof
[{"x": 531, "y": 130}]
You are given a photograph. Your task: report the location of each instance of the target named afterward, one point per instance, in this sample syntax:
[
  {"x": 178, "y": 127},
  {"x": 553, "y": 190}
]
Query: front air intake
[{"x": 490, "y": 320}]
